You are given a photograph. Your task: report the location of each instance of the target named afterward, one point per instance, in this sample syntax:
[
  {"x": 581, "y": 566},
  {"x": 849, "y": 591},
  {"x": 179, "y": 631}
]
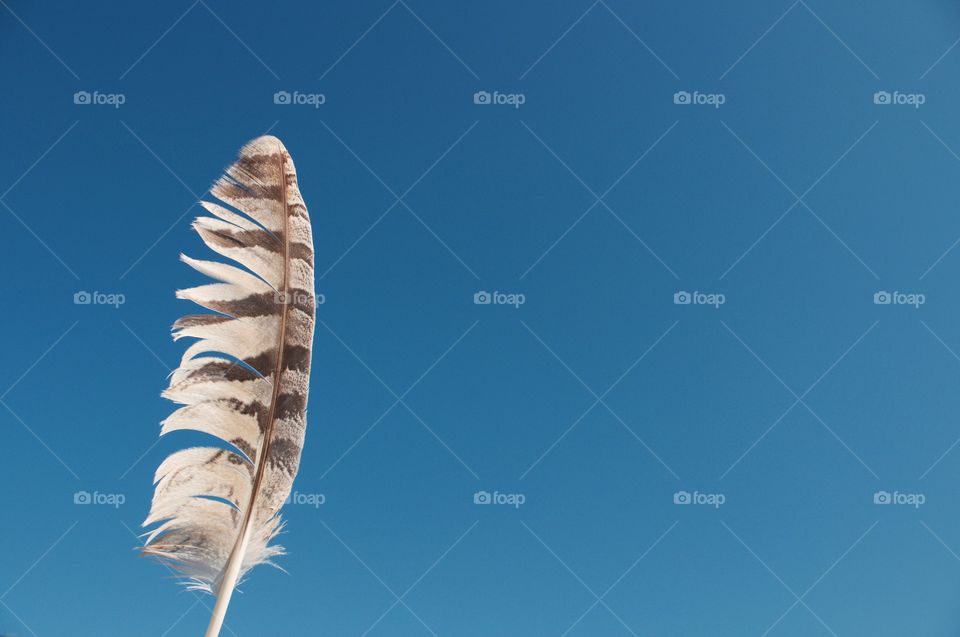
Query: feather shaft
[{"x": 232, "y": 569}]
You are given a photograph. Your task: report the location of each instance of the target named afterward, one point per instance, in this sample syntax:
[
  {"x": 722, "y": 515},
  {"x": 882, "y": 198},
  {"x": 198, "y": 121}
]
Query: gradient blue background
[{"x": 107, "y": 208}]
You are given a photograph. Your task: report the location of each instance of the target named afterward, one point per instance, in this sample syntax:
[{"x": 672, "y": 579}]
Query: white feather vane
[{"x": 244, "y": 380}]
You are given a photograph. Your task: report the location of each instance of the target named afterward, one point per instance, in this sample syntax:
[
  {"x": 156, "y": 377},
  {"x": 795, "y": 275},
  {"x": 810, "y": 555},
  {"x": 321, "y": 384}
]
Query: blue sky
[{"x": 775, "y": 457}]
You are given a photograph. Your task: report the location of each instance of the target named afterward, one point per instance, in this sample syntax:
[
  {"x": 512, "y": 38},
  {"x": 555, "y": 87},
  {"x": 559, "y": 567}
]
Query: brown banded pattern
[{"x": 244, "y": 379}]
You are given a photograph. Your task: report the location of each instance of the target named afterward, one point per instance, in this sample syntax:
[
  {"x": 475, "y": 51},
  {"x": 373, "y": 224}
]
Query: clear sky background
[{"x": 596, "y": 401}]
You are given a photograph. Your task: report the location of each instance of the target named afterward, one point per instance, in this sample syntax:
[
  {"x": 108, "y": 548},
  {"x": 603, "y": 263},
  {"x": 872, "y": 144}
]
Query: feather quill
[{"x": 215, "y": 511}]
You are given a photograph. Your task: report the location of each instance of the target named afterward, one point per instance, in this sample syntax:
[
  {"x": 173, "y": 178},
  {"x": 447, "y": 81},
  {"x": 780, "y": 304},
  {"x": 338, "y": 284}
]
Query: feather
[{"x": 244, "y": 380}]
